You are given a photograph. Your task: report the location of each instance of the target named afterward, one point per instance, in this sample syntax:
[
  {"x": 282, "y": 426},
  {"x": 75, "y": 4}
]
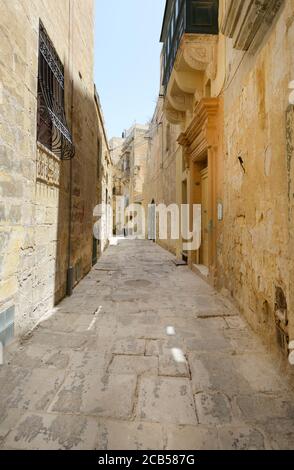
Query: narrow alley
[{"x": 131, "y": 361}]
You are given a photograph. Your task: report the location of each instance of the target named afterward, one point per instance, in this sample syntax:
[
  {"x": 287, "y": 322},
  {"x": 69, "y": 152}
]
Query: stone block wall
[
  {"x": 105, "y": 177},
  {"x": 160, "y": 182},
  {"x": 256, "y": 256},
  {"x": 34, "y": 184}
]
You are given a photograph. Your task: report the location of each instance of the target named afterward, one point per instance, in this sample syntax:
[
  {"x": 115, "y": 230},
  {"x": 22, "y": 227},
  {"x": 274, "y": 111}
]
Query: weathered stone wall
[
  {"x": 250, "y": 151},
  {"x": 104, "y": 177},
  {"x": 135, "y": 150},
  {"x": 129, "y": 158},
  {"x": 161, "y": 169},
  {"x": 256, "y": 252},
  {"x": 35, "y": 186},
  {"x": 115, "y": 145}
]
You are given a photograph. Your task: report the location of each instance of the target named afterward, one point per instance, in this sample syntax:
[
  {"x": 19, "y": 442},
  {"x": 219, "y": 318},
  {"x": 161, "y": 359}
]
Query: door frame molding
[{"x": 201, "y": 138}]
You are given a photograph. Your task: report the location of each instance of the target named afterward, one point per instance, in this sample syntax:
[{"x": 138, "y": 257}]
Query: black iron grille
[{"x": 52, "y": 128}]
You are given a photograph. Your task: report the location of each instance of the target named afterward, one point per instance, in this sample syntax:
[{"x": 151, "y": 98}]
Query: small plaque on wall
[{"x": 220, "y": 211}]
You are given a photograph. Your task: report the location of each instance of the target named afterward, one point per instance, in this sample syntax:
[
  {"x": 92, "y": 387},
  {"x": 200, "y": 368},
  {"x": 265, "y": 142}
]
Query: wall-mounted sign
[{"x": 220, "y": 211}]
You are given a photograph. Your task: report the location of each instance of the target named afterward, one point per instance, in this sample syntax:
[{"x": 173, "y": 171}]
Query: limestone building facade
[
  {"x": 49, "y": 153},
  {"x": 256, "y": 247},
  {"x": 160, "y": 183},
  {"x": 226, "y": 69},
  {"x": 134, "y": 153},
  {"x": 131, "y": 156},
  {"x": 116, "y": 144},
  {"x": 104, "y": 180}
]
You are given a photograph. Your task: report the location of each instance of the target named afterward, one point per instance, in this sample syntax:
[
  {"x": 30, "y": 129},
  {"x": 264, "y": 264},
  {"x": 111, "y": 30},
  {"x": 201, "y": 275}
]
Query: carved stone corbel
[
  {"x": 181, "y": 101},
  {"x": 196, "y": 57},
  {"x": 247, "y": 21},
  {"x": 196, "y": 61},
  {"x": 173, "y": 116},
  {"x": 198, "y": 53}
]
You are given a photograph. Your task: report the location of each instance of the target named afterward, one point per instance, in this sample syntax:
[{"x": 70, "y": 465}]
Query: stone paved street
[{"x": 131, "y": 361}]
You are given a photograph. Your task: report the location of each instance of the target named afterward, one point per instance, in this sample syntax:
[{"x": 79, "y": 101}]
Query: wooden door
[{"x": 204, "y": 251}]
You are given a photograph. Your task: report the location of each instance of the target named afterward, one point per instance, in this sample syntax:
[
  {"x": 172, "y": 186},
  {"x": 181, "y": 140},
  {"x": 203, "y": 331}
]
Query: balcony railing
[{"x": 185, "y": 16}]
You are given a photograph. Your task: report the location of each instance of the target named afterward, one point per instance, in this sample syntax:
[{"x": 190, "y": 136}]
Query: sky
[{"x": 127, "y": 60}]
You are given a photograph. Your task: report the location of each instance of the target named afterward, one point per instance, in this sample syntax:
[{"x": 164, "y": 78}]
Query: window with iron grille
[{"x": 52, "y": 128}]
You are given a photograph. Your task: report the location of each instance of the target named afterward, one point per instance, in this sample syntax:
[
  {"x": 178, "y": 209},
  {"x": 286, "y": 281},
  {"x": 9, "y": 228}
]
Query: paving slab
[
  {"x": 279, "y": 433},
  {"x": 191, "y": 438},
  {"x": 241, "y": 437},
  {"x": 264, "y": 407},
  {"x": 53, "y": 432},
  {"x": 138, "y": 365},
  {"x": 216, "y": 372},
  {"x": 122, "y": 435},
  {"x": 29, "y": 389},
  {"x": 260, "y": 373},
  {"x": 8, "y": 419},
  {"x": 213, "y": 408},
  {"x": 173, "y": 363},
  {"x": 97, "y": 395},
  {"x": 154, "y": 347},
  {"x": 59, "y": 340},
  {"x": 144, "y": 355},
  {"x": 166, "y": 400},
  {"x": 129, "y": 346}
]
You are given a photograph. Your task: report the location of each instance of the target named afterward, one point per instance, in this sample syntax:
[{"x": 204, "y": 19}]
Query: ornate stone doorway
[{"x": 200, "y": 142}]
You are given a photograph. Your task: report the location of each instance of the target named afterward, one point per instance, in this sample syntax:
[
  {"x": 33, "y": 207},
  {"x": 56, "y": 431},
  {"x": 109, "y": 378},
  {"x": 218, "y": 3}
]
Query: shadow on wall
[
  {"x": 77, "y": 193},
  {"x": 36, "y": 234}
]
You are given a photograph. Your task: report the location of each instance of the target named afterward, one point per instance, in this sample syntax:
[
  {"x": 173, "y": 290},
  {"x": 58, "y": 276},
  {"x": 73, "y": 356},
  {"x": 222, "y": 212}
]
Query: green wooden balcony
[{"x": 185, "y": 16}]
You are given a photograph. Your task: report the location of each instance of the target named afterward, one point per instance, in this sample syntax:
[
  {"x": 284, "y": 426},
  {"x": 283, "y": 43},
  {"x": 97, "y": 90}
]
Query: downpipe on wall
[{"x": 70, "y": 269}]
